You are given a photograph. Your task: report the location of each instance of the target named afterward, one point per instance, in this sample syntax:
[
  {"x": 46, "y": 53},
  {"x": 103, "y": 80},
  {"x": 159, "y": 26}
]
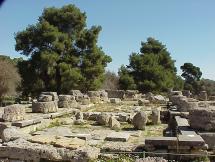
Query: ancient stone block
[
  {"x": 203, "y": 96},
  {"x": 139, "y": 120},
  {"x": 103, "y": 119},
  {"x": 142, "y": 102},
  {"x": 53, "y": 94},
  {"x": 79, "y": 115},
  {"x": 45, "y": 98},
  {"x": 45, "y": 107},
  {"x": 190, "y": 140},
  {"x": 116, "y": 94},
  {"x": 115, "y": 100},
  {"x": 118, "y": 136},
  {"x": 161, "y": 141},
  {"x": 113, "y": 123},
  {"x": 202, "y": 118},
  {"x": 14, "y": 113},
  {"x": 156, "y": 116},
  {"x": 209, "y": 138},
  {"x": 11, "y": 134},
  {"x": 76, "y": 93}
]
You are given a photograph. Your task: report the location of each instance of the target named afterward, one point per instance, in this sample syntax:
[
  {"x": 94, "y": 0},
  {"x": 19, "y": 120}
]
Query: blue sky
[{"x": 186, "y": 27}]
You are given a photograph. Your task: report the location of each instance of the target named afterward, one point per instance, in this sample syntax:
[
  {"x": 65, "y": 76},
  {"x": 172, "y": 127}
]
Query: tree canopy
[
  {"x": 192, "y": 75},
  {"x": 152, "y": 69},
  {"x": 63, "y": 53}
]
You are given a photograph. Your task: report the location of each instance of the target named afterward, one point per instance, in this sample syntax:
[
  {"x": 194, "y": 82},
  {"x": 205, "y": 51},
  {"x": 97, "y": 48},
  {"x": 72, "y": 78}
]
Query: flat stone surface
[
  {"x": 187, "y": 132},
  {"x": 111, "y": 146},
  {"x": 118, "y": 136},
  {"x": 181, "y": 122},
  {"x": 81, "y": 136},
  {"x": 25, "y": 123},
  {"x": 161, "y": 141},
  {"x": 59, "y": 141},
  {"x": 57, "y": 131},
  {"x": 190, "y": 140}
]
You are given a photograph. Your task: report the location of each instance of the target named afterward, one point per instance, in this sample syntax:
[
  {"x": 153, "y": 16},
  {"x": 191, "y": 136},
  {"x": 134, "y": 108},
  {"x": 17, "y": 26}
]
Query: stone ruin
[
  {"x": 47, "y": 103},
  {"x": 87, "y": 126}
]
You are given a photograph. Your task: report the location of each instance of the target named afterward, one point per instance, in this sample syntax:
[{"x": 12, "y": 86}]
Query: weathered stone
[
  {"x": 95, "y": 99},
  {"x": 202, "y": 119},
  {"x": 76, "y": 93},
  {"x": 183, "y": 103},
  {"x": 139, "y": 120},
  {"x": 160, "y": 99},
  {"x": 23, "y": 150},
  {"x": 27, "y": 122},
  {"x": 187, "y": 93},
  {"x": 142, "y": 102},
  {"x": 53, "y": 94},
  {"x": 70, "y": 143},
  {"x": 45, "y": 98},
  {"x": 176, "y": 93},
  {"x": 203, "y": 96},
  {"x": 103, "y": 119},
  {"x": 115, "y": 100},
  {"x": 151, "y": 159},
  {"x": 212, "y": 98},
  {"x": 130, "y": 94},
  {"x": 10, "y": 134},
  {"x": 66, "y": 97},
  {"x": 118, "y": 136},
  {"x": 161, "y": 141},
  {"x": 116, "y": 93},
  {"x": 209, "y": 138},
  {"x": 93, "y": 93},
  {"x": 14, "y": 113},
  {"x": 190, "y": 140},
  {"x": 85, "y": 101},
  {"x": 79, "y": 122},
  {"x": 123, "y": 117},
  {"x": 115, "y": 146},
  {"x": 45, "y": 107},
  {"x": 156, "y": 116},
  {"x": 79, "y": 115},
  {"x": 88, "y": 153},
  {"x": 67, "y": 104},
  {"x": 85, "y": 137},
  {"x": 113, "y": 123}
]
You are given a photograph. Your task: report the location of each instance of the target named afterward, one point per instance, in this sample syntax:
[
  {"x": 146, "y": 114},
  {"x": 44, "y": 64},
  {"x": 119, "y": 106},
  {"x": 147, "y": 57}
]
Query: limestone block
[
  {"x": 45, "y": 107},
  {"x": 14, "y": 113},
  {"x": 139, "y": 120}
]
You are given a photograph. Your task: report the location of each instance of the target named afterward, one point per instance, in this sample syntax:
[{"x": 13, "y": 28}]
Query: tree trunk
[{"x": 58, "y": 79}]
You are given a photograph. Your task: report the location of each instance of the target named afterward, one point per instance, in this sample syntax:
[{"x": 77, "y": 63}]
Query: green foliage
[
  {"x": 208, "y": 85},
  {"x": 178, "y": 83},
  {"x": 151, "y": 70},
  {"x": 63, "y": 54},
  {"x": 126, "y": 81},
  {"x": 192, "y": 75}
]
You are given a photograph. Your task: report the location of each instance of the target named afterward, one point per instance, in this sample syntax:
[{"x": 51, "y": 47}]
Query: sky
[{"x": 186, "y": 27}]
